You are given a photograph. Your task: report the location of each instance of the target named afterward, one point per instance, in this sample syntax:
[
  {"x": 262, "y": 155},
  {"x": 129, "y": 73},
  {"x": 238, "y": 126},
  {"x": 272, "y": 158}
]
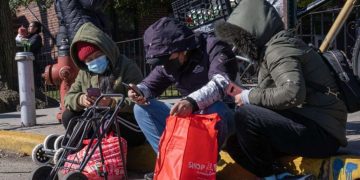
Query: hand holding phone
[
  {"x": 233, "y": 89},
  {"x": 93, "y": 92},
  {"x": 135, "y": 94}
]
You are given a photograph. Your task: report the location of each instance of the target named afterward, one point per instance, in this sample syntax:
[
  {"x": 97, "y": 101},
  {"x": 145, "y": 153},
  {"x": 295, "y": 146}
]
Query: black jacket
[
  {"x": 35, "y": 41},
  {"x": 77, "y": 12}
]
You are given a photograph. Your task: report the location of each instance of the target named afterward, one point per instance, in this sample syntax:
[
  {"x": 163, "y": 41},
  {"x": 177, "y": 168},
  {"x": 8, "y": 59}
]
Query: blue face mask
[{"x": 98, "y": 65}]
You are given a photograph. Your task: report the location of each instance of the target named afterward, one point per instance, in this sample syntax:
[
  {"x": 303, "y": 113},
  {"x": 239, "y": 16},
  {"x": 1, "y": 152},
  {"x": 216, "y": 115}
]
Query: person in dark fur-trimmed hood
[{"x": 283, "y": 115}]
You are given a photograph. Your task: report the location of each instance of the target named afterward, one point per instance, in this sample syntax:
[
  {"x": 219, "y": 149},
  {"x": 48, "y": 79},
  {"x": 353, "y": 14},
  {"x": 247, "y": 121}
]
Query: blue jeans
[{"x": 152, "y": 120}]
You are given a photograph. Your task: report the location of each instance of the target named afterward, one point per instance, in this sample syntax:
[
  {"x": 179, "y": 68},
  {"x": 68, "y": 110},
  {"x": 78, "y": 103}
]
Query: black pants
[
  {"x": 133, "y": 138},
  {"x": 68, "y": 115},
  {"x": 263, "y": 135},
  {"x": 38, "y": 80}
]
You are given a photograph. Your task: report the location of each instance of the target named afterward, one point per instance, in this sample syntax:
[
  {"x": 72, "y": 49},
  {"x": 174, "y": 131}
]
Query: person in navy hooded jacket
[{"x": 197, "y": 64}]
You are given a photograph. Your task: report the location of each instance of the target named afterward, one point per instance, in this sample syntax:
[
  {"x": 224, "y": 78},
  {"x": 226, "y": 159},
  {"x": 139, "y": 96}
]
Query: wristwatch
[{"x": 192, "y": 102}]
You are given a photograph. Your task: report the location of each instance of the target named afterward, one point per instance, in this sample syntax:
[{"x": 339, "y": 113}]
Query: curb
[
  {"x": 227, "y": 168},
  {"x": 141, "y": 158},
  {"x": 20, "y": 142}
]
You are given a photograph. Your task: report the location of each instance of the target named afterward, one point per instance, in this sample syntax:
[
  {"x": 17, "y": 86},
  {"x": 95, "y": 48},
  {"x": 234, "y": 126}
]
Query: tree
[{"x": 7, "y": 47}]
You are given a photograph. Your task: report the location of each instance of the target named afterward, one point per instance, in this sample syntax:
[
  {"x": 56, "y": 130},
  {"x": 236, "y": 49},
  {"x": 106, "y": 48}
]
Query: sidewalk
[
  {"x": 15, "y": 138},
  {"x": 45, "y": 119},
  {"x": 19, "y": 139},
  {"x": 353, "y": 132},
  {"x": 10, "y": 125}
]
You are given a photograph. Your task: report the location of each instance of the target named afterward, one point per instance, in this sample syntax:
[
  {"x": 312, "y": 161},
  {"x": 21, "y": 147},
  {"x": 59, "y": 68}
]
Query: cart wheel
[
  {"x": 58, "y": 141},
  {"x": 58, "y": 155},
  {"x": 38, "y": 155},
  {"x": 50, "y": 141},
  {"x": 42, "y": 173},
  {"x": 75, "y": 175}
]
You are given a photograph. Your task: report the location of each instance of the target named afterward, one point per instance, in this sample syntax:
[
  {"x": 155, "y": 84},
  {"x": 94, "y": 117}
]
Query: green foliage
[
  {"x": 53, "y": 93},
  {"x": 303, "y": 3},
  {"x": 13, "y": 4},
  {"x": 26, "y": 44},
  {"x": 141, "y": 6}
]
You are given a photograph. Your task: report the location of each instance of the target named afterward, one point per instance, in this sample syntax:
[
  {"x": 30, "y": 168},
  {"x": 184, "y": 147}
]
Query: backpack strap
[
  {"x": 324, "y": 89},
  {"x": 336, "y": 66}
]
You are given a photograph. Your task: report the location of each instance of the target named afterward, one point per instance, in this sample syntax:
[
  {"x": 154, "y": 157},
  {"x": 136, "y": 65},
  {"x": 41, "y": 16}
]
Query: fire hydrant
[{"x": 62, "y": 73}]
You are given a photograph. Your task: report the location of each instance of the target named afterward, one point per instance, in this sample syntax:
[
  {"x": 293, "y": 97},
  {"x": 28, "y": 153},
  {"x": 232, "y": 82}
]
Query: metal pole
[
  {"x": 339, "y": 22},
  {"x": 26, "y": 87},
  {"x": 289, "y": 13}
]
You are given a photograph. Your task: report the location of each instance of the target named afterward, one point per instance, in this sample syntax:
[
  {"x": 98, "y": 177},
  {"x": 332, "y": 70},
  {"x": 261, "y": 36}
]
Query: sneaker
[{"x": 149, "y": 176}]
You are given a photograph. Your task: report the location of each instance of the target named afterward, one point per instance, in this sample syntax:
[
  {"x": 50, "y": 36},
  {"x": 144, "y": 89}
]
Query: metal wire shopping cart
[{"x": 95, "y": 124}]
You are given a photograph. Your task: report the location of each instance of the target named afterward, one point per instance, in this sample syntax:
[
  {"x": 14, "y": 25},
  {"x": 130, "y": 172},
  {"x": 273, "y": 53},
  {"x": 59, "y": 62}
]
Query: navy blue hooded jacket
[{"x": 207, "y": 57}]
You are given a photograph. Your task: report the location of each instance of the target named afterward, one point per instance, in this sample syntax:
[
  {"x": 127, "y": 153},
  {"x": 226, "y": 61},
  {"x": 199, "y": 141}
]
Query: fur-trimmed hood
[{"x": 250, "y": 26}]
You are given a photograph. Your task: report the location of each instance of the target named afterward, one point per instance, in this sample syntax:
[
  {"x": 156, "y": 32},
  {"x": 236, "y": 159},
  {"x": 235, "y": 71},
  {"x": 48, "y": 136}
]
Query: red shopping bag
[
  {"x": 94, "y": 169},
  {"x": 188, "y": 148}
]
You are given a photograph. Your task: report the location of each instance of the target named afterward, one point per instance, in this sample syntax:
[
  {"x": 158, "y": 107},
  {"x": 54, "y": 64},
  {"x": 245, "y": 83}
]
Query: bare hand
[
  {"x": 86, "y": 101},
  {"x": 135, "y": 97},
  {"x": 182, "y": 108},
  {"x": 238, "y": 100},
  {"x": 22, "y": 31}
]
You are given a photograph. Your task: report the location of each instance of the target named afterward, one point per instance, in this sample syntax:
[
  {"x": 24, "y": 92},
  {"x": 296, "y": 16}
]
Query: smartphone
[
  {"x": 233, "y": 89},
  {"x": 93, "y": 92},
  {"x": 138, "y": 93}
]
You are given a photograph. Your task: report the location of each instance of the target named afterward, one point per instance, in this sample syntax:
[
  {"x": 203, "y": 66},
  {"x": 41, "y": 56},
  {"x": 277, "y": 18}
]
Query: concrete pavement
[
  {"x": 15, "y": 138},
  {"x": 10, "y": 126},
  {"x": 45, "y": 119},
  {"x": 353, "y": 132},
  {"x": 20, "y": 139}
]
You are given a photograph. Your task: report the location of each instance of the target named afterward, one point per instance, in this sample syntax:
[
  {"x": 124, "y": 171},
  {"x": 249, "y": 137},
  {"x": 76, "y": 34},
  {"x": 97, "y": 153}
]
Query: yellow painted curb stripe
[{"x": 20, "y": 142}]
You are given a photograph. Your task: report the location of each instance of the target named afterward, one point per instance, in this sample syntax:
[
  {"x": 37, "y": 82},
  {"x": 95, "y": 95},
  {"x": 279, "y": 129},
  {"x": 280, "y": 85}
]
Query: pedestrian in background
[{"x": 32, "y": 41}]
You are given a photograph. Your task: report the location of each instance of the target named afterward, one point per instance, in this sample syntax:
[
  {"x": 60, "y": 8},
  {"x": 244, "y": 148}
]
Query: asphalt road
[{"x": 15, "y": 166}]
